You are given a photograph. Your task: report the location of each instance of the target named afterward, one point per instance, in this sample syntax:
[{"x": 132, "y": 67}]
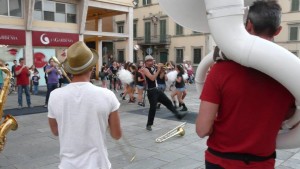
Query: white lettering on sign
[
  {"x": 62, "y": 40},
  {"x": 8, "y": 37}
]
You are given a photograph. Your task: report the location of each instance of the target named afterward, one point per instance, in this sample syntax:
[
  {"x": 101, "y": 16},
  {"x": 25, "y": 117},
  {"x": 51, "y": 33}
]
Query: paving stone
[
  {"x": 292, "y": 163},
  {"x": 148, "y": 163},
  {"x": 283, "y": 155},
  {"x": 168, "y": 156},
  {"x": 183, "y": 163}
]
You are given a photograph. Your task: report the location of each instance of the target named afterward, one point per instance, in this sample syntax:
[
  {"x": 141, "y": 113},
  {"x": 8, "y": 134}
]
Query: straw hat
[{"x": 80, "y": 58}]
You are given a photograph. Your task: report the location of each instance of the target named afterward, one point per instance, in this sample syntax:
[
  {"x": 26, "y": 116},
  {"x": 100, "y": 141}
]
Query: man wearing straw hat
[{"x": 77, "y": 115}]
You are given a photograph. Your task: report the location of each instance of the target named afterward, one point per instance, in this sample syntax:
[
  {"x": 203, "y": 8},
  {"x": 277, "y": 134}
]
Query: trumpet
[
  {"x": 61, "y": 68},
  {"x": 10, "y": 122},
  {"x": 179, "y": 130}
]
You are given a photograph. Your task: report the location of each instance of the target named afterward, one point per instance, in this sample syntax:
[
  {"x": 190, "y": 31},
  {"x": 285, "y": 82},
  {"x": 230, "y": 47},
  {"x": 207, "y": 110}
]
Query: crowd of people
[
  {"x": 110, "y": 79},
  {"x": 27, "y": 79}
]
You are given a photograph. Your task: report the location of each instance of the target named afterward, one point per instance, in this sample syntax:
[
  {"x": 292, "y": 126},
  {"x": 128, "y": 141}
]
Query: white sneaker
[{"x": 45, "y": 105}]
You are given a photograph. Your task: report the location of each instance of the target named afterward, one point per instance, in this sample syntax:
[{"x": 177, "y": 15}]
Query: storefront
[
  {"x": 12, "y": 44},
  {"x": 48, "y": 44}
]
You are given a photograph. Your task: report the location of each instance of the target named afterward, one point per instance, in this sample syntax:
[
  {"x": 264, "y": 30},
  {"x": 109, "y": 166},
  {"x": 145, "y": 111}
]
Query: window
[
  {"x": 146, "y": 2},
  {"x": 294, "y": 31},
  {"x": 163, "y": 31},
  {"x": 197, "y": 55},
  {"x": 135, "y": 30},
  {"x": 11, "y": 8},
  {"x": 120, "y": 27},
  {"x": 179, "y": 55},
  {"x": 295, "y": 5},
  {"x": 121, "y": 56},
  {"x": 179, "y": 30},
  {"x": 54, "y": 11},
  {"x": 147, "y": 32}
]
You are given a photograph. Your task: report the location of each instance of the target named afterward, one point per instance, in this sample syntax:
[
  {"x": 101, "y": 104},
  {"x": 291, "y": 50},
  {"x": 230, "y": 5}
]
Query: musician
[
  {"x": 155, "y": 95},
  {"x": 52, "y": 82},
  {"x": 80, "y": 114},
  {"x": 241, "y": 108},
  {"x": 22, "y": 74}
]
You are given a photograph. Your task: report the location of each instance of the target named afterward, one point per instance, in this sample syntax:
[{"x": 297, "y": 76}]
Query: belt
[{"x": 246, "y": 158}]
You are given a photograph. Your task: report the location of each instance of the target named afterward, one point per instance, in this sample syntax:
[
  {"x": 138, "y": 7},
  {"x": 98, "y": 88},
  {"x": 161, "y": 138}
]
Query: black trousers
[
  {"x": 155, "y": 96},
  {"x": 209, "y": 165}
]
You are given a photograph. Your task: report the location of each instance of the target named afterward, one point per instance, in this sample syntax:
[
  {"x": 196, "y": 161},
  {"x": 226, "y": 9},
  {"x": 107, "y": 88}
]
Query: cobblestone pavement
[{"x": 33, "y": 146}]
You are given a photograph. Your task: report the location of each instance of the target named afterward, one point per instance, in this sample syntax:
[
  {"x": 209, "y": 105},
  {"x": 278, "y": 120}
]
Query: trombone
[
  {"x": 61, "y": 68},
  {"x": 179, "y": 130}
]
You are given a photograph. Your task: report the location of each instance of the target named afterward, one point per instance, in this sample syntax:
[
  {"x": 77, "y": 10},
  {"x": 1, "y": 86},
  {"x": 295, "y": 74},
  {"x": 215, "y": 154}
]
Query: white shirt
[{"x": 82, "y": 111}]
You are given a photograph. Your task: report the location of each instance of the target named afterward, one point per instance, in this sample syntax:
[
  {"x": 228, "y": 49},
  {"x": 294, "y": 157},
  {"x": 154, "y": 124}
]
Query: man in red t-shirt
[
  {"x": 241, "y": 108},
  {"x": 22, "y": 74}
]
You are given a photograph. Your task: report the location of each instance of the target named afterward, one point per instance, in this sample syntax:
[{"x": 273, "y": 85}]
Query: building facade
[
  {"x": 157, "y": 34},
  {"x": 39, "y": 29},
  {"x": 289, "y": 37}
]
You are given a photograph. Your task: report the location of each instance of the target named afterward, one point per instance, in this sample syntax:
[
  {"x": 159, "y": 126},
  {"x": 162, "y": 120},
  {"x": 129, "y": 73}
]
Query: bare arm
[
  {"x": 53, "y": 126},
  {"x": 114, "y": 125},
  {"x": 205, "y": 120},
  {"x": 149, "y": 75}
]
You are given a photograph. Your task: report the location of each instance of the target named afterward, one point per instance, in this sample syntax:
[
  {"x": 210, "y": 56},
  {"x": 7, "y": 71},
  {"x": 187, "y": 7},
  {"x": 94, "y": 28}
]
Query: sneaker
[
  {"x": 45, "y": 105},
  {"x": 149, "y": 128},
  {"x": 180, "y": 116},
  {"x": 20, "y": 107},
  {"x": 140, "y": 104},
  {"x": 184, "y": 109},
  {"x": 123, "y": 98}
]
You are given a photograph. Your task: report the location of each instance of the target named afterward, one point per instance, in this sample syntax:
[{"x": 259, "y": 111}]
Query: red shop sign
[
  {"x": 12, "y": 37},
  {"x": 53, "y": 39}
]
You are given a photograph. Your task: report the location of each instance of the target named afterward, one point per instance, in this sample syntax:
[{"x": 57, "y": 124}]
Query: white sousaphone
[{"x": 238, "y": 45}]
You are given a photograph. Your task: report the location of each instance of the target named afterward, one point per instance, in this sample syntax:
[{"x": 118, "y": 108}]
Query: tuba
[{"x": 10, "y": 122}]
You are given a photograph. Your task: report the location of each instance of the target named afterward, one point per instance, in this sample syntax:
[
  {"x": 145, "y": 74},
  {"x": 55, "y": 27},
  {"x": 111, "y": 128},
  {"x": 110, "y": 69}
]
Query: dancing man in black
[{"x": 155, "y": 95}]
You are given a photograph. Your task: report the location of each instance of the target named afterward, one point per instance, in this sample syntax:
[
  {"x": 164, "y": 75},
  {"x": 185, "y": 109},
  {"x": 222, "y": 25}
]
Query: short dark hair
[
  {"x": 265, "y": 17},
  {"x": 21, "y": 59}
]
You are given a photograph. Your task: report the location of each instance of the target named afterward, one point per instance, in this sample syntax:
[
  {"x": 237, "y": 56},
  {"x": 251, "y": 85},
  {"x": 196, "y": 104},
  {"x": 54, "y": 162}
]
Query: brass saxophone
[{"x": 10, "y": 122}]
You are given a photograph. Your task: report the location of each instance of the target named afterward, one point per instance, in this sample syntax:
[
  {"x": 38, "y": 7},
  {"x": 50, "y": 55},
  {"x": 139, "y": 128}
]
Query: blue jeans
[
  {"x": 20, "y": 92},
  {"x": 50, "y": 88},
  {"x": 35, "y": 89}
]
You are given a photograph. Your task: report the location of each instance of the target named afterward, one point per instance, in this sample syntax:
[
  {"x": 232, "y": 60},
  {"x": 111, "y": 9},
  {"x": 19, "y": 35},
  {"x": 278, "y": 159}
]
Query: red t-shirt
[
  {"x": 23, "y": 77},
  {"x": 252, "y": 107}
]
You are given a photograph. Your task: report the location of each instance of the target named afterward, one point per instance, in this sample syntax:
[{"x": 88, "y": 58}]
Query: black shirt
[
  {"x": 139, "y": 75},
  {"x": 181, "y": 83},
  {"x": 161, "y": 80},
  {"x": 151, "y": 84}
]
